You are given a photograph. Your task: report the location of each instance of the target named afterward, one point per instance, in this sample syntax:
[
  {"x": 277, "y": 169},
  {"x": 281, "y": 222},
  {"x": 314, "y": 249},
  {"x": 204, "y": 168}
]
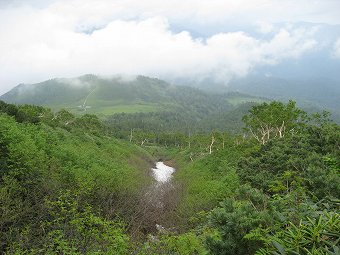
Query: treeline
[
  {"x": 63, "y": 119},
  {"x": 178, "y": 128}
]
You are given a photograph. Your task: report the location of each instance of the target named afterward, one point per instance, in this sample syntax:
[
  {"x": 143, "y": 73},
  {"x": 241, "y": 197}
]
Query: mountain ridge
[{"x": 94, "y": 94}]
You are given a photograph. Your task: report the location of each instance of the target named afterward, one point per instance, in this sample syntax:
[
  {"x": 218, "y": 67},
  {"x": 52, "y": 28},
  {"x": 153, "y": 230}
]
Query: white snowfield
[{"x": 162, "y": 173}]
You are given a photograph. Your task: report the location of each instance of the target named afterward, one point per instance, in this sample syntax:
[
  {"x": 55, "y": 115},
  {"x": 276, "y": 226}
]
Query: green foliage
[
  {"x": 182, "y": 244},
  {"x": 207, "y": 181},
  {"x": 318, "y": 235},
  {"x": 299, "y": 160},
  {"x": 273, "y": 120},
  {"x": 235, "y": 218},
  {"x": 95, "y": 95},
  {"x": 43, "y": 163},
  {"x": 24, "y": 113},
  {"x": 68, "y": 187},
  {"x": 301, "y": 166},
  {"x": 142, "y": 103},
  {"x": 186, "y": 120},
  {"x": 73, "y": 229}
]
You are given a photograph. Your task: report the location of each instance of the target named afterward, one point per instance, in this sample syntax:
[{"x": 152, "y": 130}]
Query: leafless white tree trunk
[
  {"x": 211, "y": 144},
  {"x": 142, "y": 143}
]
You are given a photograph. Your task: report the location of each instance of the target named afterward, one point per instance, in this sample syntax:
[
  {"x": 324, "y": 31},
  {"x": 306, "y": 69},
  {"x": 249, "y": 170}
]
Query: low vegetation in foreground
[{"x": 68, "y": 185}]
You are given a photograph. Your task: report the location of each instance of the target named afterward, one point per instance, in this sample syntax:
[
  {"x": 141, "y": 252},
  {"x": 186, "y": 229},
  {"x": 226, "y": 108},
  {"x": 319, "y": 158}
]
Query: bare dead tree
[
  {"x": 189, "y": 140},
  {"x": 191, "y": 156},
  {"x": 143, "y": 141},
  {"x": 211, "y": 144},
  {"x": 281, "y": 130}
]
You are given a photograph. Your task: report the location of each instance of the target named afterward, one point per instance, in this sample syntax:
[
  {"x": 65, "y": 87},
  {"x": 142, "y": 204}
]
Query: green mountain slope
[
  {"x": 60, "y": 176},
  {"x": 141, "y": 103},
  {"x": 106, "y": 96},
  {"x": 92, "y": 94}
]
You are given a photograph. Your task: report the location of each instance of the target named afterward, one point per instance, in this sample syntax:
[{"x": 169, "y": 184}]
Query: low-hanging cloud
[{"x": 38, "y": 44}]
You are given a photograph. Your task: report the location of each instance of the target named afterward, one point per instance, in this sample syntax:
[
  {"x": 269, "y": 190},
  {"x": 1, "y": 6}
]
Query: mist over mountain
[
  {"x": 129, "y": 102},
  {"x": 133, "y": 94},
  {"x": 105, "y": 95},
  {"x": 312, "y": 79},
  {"x": 321, "y": 92}
]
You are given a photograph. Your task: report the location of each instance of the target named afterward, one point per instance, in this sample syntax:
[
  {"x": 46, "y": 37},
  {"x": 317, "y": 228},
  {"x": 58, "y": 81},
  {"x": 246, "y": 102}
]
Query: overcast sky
[{"x": 186, "y": 39}]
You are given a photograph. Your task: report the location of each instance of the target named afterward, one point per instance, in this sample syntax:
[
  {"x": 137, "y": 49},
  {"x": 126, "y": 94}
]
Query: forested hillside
[
  {"x": 69, "y": 186},
  {"x": 106, "y": 96},
  {"x": 139, "y": 103}
]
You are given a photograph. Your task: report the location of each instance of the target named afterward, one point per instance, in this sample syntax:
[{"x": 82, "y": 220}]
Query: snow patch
[{"x": 162, "y": 173}]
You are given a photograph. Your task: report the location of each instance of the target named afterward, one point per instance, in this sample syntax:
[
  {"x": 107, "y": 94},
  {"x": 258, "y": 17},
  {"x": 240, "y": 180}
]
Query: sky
[{"x": 193, "y": 40}]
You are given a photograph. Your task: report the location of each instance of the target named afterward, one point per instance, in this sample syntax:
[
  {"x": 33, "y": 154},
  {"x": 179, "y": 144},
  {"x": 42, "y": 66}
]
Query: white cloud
[
  {"x": 134, "y": 37},
  {"x": 265, "y": 27},
  {"x": 286, "y": 44}
]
